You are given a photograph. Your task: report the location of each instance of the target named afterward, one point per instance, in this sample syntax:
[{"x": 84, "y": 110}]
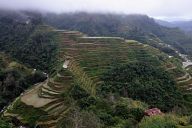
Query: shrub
[
  {"x": 4, "y": 124},
  {"x": 122, "y": 111},
  {"x": 136, "y": 113},
  {"x": 158, "y": 122},
  {"x": 107, "y": 119},
  {"x": 78, "y": 93}
]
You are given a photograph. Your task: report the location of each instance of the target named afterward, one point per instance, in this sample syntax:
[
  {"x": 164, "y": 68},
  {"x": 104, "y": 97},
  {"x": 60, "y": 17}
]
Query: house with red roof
[{"x": 153, "y": 112}]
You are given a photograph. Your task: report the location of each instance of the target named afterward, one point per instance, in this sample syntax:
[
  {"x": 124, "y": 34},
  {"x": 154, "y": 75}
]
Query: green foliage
[
  {"x": 164, "y": 121},
  {"x": 130, "y": 103},
  {"x": 136, "y": 113},
  {"x": 107, "y": 119},
  {"x": 25, "y": 42},
  {"x": 116, "y": 114},
  {"x": 39, "y": 51},
  {"x": 78, "y": 93},
  {"x": 81, "y": 119},
  {"x": 144, "y": 82},
  {"x": 14, "y": 80},
  {"x": 4, "y": 124},
  {"x": 28, "y": 113},
  {"x": 129, "y": 123},
  {"x": 157, "y": 122},
  {"x": 124, "y": 112}
]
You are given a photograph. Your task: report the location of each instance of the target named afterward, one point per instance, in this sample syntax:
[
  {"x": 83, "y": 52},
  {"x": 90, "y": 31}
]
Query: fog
[{"x": 161, "y": 9}]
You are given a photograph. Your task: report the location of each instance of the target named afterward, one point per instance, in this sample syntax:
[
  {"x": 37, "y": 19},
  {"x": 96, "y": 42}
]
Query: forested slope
[
  {"x": 21, "y": 38},
  {"x": 15, "y": 78},
  {"x": 106, "y": 82},
  {"x": 93, "y": 82}
]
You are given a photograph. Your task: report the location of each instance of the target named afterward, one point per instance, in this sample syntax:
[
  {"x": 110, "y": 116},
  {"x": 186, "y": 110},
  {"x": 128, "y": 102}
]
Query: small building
[{"x": 153, "y": 112}]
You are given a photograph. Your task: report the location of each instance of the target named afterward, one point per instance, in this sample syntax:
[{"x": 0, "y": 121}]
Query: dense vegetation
[
  {"x": 142, "y": 81},
  {"x": 15, "y": 79},
  {"x": 4, "y": 124},
  {"x": 20, "y": 38},
  {"x": 119, "y": 113},
  {"x": 130, "y": 77}
]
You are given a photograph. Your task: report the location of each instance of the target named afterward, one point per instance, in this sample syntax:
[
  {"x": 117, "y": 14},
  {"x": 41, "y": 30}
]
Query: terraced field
[
  {"x": 47, "y": 97},
  {"x": 183, "y": 80},
  {"x": 83, "y": 60},
  {"x": 90, "y": 57}
]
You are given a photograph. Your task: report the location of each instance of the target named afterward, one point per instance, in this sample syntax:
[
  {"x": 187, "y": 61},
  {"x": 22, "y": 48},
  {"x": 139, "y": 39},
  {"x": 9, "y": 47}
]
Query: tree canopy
[{"x": 144, "y": 82}]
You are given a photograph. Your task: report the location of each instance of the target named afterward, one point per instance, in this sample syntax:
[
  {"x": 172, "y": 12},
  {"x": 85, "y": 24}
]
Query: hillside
[
  {"x": 102, "y": 71},
  {"x": 21, "y": 37},
  {"x": 79, "y": 92},
  {"x": 183, "y": 25},
  {"x": 136, "y": 27},
  {"x": 15, "y": 78}
]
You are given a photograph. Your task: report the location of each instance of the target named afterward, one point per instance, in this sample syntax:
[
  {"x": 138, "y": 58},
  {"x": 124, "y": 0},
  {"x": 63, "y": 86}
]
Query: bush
[
  {"x": 130, "y": 123},
  {"x": 78, "y": 93},
  {"x": 107, "y": 119},
  {"x": 158, "y": 122},
  {"x": 122, "y": 111},
  {"x": 136, "y": 113},
  {"x": 82, "y": 119},
  {"x": 86, "y": 102},
  {"x": 4, "y": 124}
]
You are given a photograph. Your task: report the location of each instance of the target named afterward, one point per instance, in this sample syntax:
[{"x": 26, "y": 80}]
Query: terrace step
[
  {"x": 58, "y": 110},
  {"x": 52, "y": 106},
  {"x": 51, "y": 89},
  {"x": 51, "y": 93},
  {"x": 64, "y": 77},
  {"x": 51, "y": 103},
  {"x": 47, "y": 124},
  {"x": 56, "y": 87},
  {"x": 185, "y": 80},
  {"x": 43, "y": 95},
  {"x": 183, "y": 77},
  {"x": 85, "y": 81}
]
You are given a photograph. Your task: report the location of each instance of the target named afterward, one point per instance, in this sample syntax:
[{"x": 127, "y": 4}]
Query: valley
[
  {"x": 54, "y": 76},
  {"x": 81, "y": 61}
]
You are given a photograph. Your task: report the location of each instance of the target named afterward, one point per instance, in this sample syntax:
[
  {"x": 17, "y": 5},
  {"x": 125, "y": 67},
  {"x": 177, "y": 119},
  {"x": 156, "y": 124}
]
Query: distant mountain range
[{"x": 183, "y": 25}]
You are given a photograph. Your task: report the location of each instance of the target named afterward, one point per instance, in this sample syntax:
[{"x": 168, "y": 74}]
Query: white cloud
[{"x": 155, "y": 8}]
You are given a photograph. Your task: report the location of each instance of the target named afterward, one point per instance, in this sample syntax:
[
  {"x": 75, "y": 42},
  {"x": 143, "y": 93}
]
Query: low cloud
[{"x": 167, "y": 9}]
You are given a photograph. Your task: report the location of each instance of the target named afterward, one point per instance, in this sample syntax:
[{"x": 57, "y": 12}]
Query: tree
[
  {"x": 80, "y": 119},
  {"x": 4, "y": 124}
]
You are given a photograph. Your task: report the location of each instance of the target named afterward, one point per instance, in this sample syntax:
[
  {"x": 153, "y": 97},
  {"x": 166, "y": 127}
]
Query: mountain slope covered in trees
[
  {"x": 21, "y": 38},
  {"x": 106, "y": 82},
  {"x": 92, "y": 82}
]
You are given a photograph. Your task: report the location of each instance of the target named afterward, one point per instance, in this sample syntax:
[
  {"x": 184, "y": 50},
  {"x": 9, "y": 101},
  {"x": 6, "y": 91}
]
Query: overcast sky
[{"x": 163, "y": 9}]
